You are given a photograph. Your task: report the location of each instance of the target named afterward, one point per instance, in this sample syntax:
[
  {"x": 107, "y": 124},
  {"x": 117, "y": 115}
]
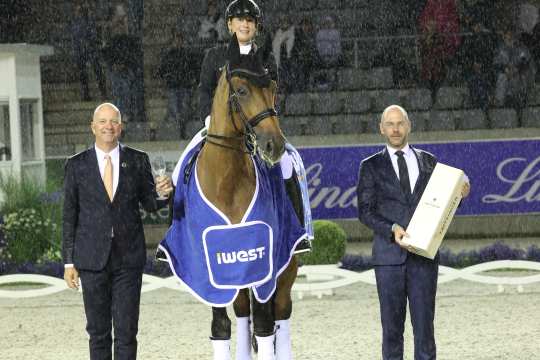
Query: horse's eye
[{"x": 242, "y": 91}]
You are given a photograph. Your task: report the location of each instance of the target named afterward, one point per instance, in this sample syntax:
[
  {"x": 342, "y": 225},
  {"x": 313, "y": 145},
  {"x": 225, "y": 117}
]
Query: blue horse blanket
[{"x": 214, "y": 258}]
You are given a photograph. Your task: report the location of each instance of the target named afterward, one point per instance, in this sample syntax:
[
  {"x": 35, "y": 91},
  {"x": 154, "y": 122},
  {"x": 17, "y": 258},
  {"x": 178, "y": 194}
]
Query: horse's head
[{"x": 245, "y": 84}]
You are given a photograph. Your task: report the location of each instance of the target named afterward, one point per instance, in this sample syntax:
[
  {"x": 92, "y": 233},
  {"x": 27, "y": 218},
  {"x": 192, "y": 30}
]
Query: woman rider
[{"x": 243, "y": 18}]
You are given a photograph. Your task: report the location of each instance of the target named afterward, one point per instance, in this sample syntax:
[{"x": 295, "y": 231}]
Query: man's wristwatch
[{"x": 394, "y": 227}]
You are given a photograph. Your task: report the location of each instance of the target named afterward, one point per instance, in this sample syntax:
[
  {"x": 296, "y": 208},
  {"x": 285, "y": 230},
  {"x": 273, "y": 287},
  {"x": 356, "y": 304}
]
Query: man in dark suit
[
  {"x": 103, "y": 239},
  {"x": 390, "y": 185}
]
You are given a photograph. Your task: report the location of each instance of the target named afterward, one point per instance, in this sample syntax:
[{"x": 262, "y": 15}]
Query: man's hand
[
  {"x": 466, "y": 189},
  {"x": 399, "y": 234},
  {"x": 164, "y": 185},
  {"x": 71, "y": 275}
]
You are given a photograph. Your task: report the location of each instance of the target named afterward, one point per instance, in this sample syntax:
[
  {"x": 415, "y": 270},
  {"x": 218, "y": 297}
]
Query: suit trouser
[
  {"x": 415, "y": 280},
  {"x": 112, "y": 296}
]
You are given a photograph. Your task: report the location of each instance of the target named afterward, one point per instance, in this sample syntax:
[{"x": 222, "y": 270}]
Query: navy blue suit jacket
[
  {"x": 89, "y": 215},
  {"x": 381, "y": 203}
]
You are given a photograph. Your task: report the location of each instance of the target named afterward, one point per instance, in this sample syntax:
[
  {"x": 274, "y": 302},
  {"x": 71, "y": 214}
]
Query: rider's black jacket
[{"x": 214, "y": 60}]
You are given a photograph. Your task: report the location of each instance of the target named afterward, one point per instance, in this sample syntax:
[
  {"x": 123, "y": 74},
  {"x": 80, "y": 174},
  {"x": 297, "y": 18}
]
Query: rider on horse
[{"x": 243, "y": 18}]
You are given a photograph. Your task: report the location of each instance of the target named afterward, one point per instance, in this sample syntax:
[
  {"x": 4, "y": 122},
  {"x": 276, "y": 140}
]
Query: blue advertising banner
[{"x": 504, "y": 176}]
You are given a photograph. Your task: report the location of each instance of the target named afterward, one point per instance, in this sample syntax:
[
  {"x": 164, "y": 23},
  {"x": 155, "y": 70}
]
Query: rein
[{"x": 247, "y": 134}]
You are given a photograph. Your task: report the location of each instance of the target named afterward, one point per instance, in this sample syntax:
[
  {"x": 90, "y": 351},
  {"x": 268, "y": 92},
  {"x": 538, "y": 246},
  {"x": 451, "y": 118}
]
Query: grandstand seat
[
  {"x": 384, "y": 98},
  {"x": 370, "y": 123},
  {"x": 471, "y": 119},
  {"x": 326, "y": 103},
  {"x": 419, "y": 120},
  {"x": 319, "y": 125},
  {"x": 291, "y": 126},
  {"x": 356, "y": 102},
  {"x": 418, "y": 99},
  {"x": 502, "y": 118},
  {"x": 379, "y": 78},
  {"x": 327, "y": 4},
  {"x": 348, "y": 124},
  {"x": 350, "y": 79},
  {"x": 450, "y": 98},
  {"x": 441, "y": 121},
  {"x": 530, "y": 117},
  {"x": 298, "y": 104},
  {"x": 303, "y": 5},
  {"x": 534, "y": 96}
]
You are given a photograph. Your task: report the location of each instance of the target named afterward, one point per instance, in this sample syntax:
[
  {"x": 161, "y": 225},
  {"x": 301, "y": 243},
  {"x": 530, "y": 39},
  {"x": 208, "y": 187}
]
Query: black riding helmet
[{"x": 242, "y": 8}]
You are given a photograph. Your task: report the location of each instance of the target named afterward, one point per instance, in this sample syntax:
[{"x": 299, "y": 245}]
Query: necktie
[
  {"x": 108, "y": 176},
  {"x": 404, "y": 182}
]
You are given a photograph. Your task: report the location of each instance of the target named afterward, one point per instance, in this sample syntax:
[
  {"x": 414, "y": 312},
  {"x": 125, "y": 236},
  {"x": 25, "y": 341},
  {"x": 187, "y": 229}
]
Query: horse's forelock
[{"x": 250, "y": 68}]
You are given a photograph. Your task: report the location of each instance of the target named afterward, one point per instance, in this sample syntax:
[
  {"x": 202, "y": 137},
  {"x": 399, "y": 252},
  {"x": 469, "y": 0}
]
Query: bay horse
[{"x": 244, "y": 124}]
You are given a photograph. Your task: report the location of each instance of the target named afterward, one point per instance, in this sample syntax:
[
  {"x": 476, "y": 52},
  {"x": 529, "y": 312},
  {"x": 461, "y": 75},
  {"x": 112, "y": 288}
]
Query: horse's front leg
[
  {"x": 263, "y": 328},
  {"x": 242, "y": 311},
  {"x": 283, "y": 310},
  {"x": 221, "y": 334}
]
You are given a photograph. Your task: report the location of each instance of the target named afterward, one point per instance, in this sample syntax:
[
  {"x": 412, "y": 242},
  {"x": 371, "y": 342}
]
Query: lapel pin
[{"x": 124, "y": 165}]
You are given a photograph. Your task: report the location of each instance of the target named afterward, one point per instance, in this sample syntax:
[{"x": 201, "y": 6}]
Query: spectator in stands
[
  {"x": 328, "y": 41},
  {"x": 86, "y": 43},
  {"x": 282, "y": 46},
  {"x": 304, "y": 58},
  {"x": 211, "y": 24},
  {"x": 515, "y": 72},
  {"x": 121, "y": 56},
  {"x": 178, "y": 69},
  {"x": 477, "y": 52},
  {"x": 477, "y": 11},
  {"x": 439, "y": 26}
]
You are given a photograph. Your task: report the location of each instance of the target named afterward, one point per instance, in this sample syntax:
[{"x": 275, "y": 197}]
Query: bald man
[
  {"x": 390, "y": 185},
  {"x": 103, "y": 238}
]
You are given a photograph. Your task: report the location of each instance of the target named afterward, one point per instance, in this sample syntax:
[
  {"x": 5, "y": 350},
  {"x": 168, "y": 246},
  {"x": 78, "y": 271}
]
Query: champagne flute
[{"x": 160, "y": 167}]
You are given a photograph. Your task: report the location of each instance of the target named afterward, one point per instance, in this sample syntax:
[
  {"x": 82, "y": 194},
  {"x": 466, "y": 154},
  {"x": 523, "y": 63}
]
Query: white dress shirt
[
  {"x": 410, "y": 159},
  {"x": 115, "y": 159}
]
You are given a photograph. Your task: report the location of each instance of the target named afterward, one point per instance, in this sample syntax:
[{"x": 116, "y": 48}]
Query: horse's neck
[{"x": 227, "y": 178}]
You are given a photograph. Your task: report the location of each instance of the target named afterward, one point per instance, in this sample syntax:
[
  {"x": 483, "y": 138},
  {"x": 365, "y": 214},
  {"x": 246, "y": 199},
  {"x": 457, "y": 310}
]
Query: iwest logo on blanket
[{"x": 240, "y": 256}]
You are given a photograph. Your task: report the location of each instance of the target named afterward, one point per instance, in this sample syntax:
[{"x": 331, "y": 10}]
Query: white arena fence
[{"x": 314, "y": 280}]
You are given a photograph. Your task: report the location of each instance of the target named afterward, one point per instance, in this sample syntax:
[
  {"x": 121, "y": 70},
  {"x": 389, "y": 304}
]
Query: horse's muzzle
[{"x": 270, "y": 148}]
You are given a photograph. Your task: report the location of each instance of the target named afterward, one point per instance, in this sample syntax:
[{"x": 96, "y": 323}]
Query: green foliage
[
  {"x": 31, "y": 221},
  {"x": 328, "y": 245},
  {"x": 27, "y": 235}
]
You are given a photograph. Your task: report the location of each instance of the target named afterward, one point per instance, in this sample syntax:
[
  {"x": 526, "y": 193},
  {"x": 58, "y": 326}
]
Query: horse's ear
[
  {"x": 264, "y": 52},
  {"x": 233, "y": 50}
]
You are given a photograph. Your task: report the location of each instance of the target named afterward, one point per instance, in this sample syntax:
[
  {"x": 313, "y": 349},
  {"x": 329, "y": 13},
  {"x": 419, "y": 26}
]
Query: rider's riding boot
[
  {"x": 222, "y": 349},
  {"x": 243, "y": 338},
  {"x": 266, "y": 347},
  {"x": 283, "y": 340}
]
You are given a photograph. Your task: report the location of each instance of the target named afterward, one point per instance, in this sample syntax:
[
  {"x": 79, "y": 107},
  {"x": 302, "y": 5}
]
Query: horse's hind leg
[
  {"x": 283, "y": 310},
  {"x": 221, "y": 333},
  {"x": 243, "y": 331},
  {"x": 263, "y": 328}
]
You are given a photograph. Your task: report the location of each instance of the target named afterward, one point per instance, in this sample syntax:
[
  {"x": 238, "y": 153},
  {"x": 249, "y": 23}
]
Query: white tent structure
[{"x": 22, "y": 143}]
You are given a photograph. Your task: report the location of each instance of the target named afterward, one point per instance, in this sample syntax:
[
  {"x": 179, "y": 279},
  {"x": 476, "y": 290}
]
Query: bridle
[{"x": 247, "y": 133}]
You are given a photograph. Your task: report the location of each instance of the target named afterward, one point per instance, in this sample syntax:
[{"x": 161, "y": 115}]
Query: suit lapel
[
  {"x": 122, "y": 164},
  {"x": 423, "y": 173},
  {"x": 388, "y": 168}
]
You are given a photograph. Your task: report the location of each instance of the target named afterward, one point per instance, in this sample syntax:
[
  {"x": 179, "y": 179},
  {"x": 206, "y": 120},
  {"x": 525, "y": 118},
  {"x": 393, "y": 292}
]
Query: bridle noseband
[{"x": 247, "y": 133}]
